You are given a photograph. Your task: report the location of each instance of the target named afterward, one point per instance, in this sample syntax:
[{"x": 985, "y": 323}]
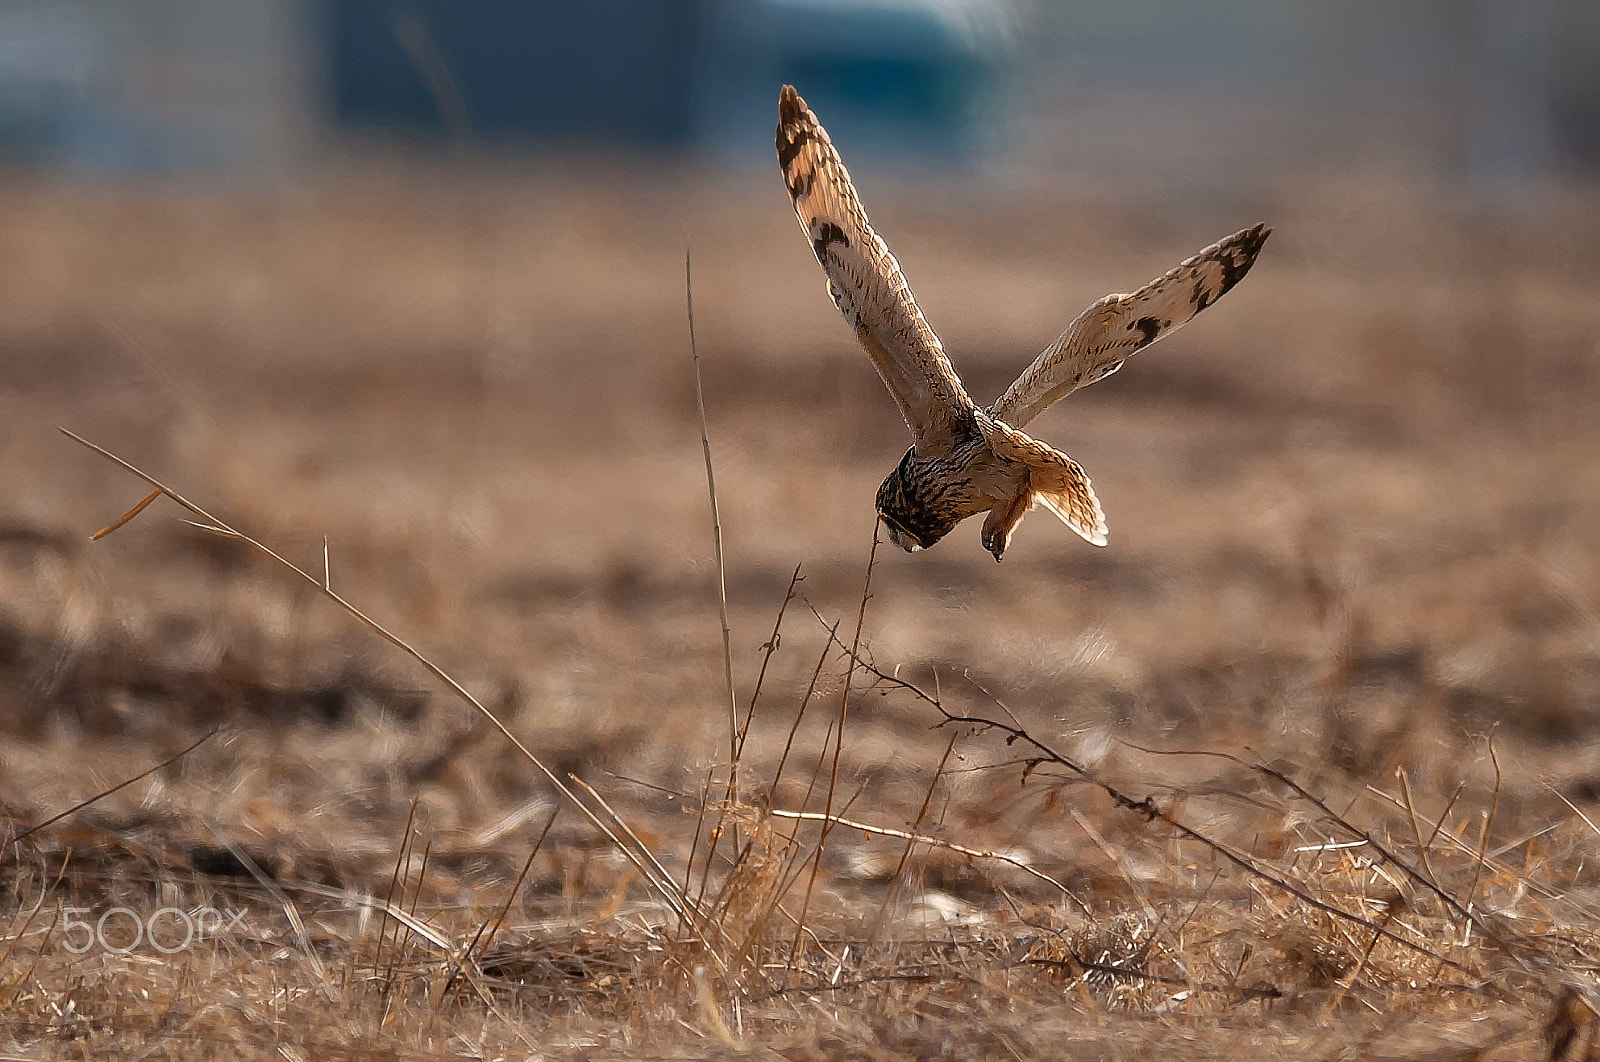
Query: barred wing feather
[{"x": 1095, "y": 345}]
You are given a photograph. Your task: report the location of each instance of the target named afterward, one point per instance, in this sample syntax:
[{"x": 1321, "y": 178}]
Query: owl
[{"x": 965, "y": 460}]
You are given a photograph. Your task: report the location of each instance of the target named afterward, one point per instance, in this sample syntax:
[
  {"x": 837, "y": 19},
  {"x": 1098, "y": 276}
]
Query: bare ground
[{"x": 1355, "y": 527}]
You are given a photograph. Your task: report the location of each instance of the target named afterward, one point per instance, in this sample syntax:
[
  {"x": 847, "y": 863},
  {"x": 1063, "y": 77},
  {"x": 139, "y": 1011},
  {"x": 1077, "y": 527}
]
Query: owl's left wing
[
  {"x": 865, "y": 279},
  {"x": 1095, "y": 345}
]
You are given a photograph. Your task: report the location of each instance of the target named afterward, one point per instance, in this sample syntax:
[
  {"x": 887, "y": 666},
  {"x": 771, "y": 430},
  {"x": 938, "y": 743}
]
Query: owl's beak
[{"x": 903, "y": 539}]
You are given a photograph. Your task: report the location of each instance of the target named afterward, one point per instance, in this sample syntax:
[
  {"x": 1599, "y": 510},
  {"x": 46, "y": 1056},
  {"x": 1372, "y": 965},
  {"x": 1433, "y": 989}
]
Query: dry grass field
[{"x": 1302, "y": 766}]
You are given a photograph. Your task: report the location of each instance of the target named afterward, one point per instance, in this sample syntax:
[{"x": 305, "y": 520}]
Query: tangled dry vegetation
[{"x": 1302, "y": 766}]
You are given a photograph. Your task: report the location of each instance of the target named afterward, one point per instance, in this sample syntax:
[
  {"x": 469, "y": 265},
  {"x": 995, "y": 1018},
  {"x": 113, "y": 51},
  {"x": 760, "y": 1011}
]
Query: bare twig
[
  {"x": 1488, "y": 824},
  {"x": 716, "y": 527},
  {"x": 16, "y": 938},
  {"x": 767, "y": 651},
  {"x": 1151, "y": 812},
  {"x": 838, "y": 737},
  {"x": 905, "y": 853},
  {"x": 422, "y": 874},
  {"x": 1461, "y": 909},
  {"x": 649, "y": 866},
  {"x": 169, "y": 761},
  {"x": 811, "y": 689},
  {"x": 394, "y": 883},
  {"x": 933, "y": 842},
  {"x": 217, "y": 526},
  {"x": 1416, "y": 828},
  {"x": 493, "y": 925}
]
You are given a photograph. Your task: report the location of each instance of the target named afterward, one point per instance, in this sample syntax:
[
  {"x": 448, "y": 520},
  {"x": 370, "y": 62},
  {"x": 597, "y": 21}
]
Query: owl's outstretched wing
[
  {"x": 865, "y": 280},
  {"x": 1095, "y": 345}
]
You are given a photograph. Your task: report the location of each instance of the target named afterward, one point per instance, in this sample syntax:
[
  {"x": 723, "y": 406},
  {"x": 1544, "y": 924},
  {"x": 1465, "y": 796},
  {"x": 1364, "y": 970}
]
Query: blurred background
[
  {"x": 410, "y": 275},
  {"x": 398, "y": 286},
  {"x": 1152, "y": 90}
]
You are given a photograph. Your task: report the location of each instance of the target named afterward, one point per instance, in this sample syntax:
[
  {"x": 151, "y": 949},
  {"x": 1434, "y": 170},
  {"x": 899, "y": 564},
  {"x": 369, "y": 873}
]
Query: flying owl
[{"x": 967, "y": 460}]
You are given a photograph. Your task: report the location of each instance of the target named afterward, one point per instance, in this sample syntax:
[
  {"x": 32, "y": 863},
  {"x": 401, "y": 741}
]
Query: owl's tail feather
[
  {"x": 1078, "y": 508},
  {"x": 1056, "y": 481}
]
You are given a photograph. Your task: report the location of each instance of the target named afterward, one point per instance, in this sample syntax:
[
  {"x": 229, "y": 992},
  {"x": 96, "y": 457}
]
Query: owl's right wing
[
  {"x": 865, "y": 280},
  {"x": 1095, "y": 345}
]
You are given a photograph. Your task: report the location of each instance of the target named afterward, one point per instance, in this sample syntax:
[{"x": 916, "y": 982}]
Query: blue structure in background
[
  {"x": 664, "y": 75},
  {"x": 908, "y": 77},
  {"x": 1493, "y": 92},
  {"x": 599, "y": 72}
]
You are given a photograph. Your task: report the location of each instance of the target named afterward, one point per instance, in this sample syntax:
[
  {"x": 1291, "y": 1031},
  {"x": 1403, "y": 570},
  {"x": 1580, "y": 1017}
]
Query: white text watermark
[{"x": 167, "y": 930}]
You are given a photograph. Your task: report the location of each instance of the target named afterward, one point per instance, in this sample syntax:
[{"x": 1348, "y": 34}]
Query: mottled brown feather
[
  {"x": 967, "y": 461},
  {"x": 1102, "y": 337},
  {"x": 865, "y": 280},
  {"x": 1058, "y": 482}
]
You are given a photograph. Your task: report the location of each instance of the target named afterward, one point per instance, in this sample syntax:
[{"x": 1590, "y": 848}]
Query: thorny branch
[
  {"x": 1150, "y": 811},
  {"x": 1147, "y": 808},
  {"x": 1340, "y": 821}
]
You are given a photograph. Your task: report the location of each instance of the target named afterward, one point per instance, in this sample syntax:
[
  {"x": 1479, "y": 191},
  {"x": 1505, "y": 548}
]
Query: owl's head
[{"x": 911, "y": 511}]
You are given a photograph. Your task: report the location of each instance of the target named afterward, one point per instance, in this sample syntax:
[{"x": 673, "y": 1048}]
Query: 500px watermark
[{"x": 168, "y": 930}]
